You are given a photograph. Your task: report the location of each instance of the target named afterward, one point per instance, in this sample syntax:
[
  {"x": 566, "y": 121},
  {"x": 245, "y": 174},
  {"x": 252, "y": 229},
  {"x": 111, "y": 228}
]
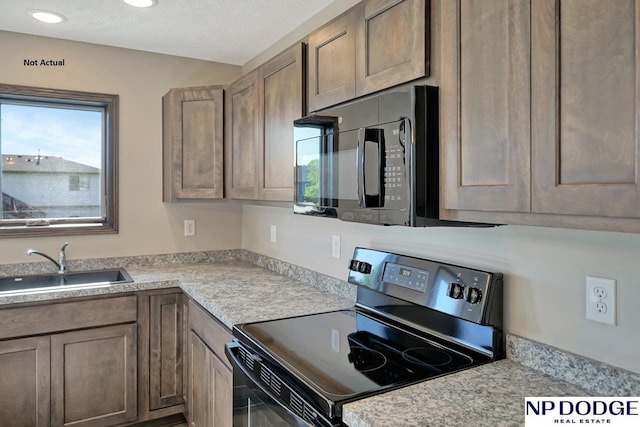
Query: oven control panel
[
  {"x": 467, "y": 293},
  {"x": 406, "y": 276}
]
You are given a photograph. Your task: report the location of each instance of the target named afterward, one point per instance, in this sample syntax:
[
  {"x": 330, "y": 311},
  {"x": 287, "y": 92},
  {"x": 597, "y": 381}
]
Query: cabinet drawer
[
  {"x": 213, "y": 333},
  {"x": 63, "y": 316}
]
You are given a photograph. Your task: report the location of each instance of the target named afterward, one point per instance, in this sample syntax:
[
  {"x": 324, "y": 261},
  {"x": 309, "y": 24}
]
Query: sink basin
[{"x": 37, "y": 283}]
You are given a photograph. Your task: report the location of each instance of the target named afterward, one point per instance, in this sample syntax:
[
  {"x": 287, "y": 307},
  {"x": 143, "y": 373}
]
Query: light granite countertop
[
  {"x": 238, "y": 292},
  {"x": 240, "y": 286},
  {"x": 490, "y": 395},
  {"x": 233, "y": 291}
]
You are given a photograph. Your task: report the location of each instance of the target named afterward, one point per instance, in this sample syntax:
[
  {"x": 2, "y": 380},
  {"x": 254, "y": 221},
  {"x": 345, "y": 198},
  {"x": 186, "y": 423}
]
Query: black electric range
[{"x": 414, "y": 320}]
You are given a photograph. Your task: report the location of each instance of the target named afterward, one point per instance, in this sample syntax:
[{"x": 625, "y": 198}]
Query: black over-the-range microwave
[{"x": 372, "y": 160}]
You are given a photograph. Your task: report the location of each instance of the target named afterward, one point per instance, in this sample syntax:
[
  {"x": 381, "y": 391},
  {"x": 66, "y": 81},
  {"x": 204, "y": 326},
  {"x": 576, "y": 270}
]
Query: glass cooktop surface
[{"x": 345, "y": 353}]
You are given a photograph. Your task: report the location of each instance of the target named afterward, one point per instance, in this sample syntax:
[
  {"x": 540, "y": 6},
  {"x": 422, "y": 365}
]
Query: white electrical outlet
[
  {"x": 601, "y": 300},
  {"x": 335, "y": 246},
  {"x": 273, "y": 234},
  {"x": 189, "y": 227}
]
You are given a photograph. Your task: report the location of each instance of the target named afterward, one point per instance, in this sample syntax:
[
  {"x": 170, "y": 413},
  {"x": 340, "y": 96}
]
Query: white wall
[
  {"x": 544, "y": 270},
  {"x": 147, "y": 226}
]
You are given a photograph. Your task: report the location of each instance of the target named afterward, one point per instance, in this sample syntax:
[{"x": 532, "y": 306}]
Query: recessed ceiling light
[
  {"x": 140, "y": 3},
  {"x": 48, "y": 17}
]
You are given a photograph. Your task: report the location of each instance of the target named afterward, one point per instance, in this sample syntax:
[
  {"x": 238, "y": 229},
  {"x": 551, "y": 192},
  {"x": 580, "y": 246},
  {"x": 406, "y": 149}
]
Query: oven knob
[
  {"x": 360, "y": 266},
  {"x": 364, "y": 268},
  {"x": 455, "y": 290},
  {"x": 474, "y": 295}
]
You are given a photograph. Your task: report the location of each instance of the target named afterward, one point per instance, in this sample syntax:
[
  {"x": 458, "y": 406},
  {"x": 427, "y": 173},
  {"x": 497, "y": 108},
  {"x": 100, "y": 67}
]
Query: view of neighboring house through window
[
  {"x": 46, "y": 154},
  {"x": 54, "y": 168}
]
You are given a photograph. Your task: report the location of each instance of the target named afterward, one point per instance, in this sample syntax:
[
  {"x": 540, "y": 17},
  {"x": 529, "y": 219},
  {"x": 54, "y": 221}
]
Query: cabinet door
[
  {"x": 281, "y": 102},
  {"x": 165, "y": 351},
  {"x": 209, "y": 391},
  {"x": 485, "y": 105},
  {"x": 243, "y": 123},
  {"x": 586, "y": 107},
  {"x": 24, "y": 384},
  {"x": 93, "y": 376},
  {"x": 332, "y": 53},
  {"x": 193, "y": 143},
  {"x": 391, "y": 44}
]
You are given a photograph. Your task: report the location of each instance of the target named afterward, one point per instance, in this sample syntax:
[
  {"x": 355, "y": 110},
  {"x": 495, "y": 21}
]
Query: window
[{"x": 58, "y": 173}]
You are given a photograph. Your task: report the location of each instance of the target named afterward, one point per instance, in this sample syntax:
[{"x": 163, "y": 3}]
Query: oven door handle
[{"x": 230, "y": 349}]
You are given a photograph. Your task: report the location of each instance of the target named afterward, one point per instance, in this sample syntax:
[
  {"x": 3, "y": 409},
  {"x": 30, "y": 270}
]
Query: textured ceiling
[{"x": 229, "y": 31}]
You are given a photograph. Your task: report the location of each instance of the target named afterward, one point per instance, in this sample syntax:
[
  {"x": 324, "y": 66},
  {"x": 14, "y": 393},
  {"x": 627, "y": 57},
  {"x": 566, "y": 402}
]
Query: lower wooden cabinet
[
  {"x": 79, "y": 368},
  {"x": 157, "y": 356},
  {"x": 24, "y": 382},
  {"x": 162, "y": 345},
  {"x": 93, "y": 376},
  {"x": 209, "y": 387},
  {"x": 209, "y": 379}
]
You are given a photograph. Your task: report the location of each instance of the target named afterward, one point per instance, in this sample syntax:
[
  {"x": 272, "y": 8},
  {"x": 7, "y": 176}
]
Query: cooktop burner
[{"x": 346, "y": 352}]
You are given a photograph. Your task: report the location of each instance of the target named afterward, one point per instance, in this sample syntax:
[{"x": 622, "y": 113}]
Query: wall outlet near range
[
  {"x": 273, "y": 234},
  {"x": 189, "y": 227},
  {"x": 335, "y": 246},
  {"x": 601, "y": 300}
]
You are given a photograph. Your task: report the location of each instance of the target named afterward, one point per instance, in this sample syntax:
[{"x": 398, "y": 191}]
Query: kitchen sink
[{"x": 38, "y": 283}]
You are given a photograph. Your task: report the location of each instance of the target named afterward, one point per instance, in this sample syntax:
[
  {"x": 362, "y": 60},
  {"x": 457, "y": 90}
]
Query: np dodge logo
[{"x": 610, "y": 411}]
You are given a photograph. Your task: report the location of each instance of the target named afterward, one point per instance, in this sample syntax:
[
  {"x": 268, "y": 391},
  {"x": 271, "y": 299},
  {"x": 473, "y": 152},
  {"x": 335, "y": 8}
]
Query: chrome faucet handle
[{"x": 62, "y": 258}]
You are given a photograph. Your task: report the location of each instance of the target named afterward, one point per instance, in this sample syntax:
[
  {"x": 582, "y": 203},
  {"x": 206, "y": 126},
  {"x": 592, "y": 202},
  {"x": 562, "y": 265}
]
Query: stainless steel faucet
[{"x": 62, "y": 257}]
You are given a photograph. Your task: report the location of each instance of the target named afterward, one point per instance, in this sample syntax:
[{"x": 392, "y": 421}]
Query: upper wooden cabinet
[
  {"x": 332, "y": 61},
  {"x": 243, "y": 129},
  {"x": 281, "y": 102},
  {"x": 193, "y": 143},
  {"x": 374, "y": 45},
  {"x": 485, "y": 105},
  {"x": 539, "y": 104},
  {"x": 586, "y": 106},
  {"x": 392, "y": 43},
  {"x": 261, "y": 108}
]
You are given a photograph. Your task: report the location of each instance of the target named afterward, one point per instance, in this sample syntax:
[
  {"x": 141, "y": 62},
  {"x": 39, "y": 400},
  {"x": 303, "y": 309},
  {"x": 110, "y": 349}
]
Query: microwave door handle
[
  {"x": 382, "y": 163},
  {"x": 375, "y": 136},
  {"x": 360, "y": 162}
]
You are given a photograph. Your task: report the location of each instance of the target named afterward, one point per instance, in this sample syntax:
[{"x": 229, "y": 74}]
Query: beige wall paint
[
  {"x": 147, "y": 226},
  {"x": 544, "y": 270}
]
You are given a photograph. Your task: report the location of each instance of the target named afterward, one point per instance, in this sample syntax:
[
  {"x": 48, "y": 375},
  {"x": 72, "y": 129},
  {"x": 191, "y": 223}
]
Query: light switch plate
[{"x": 601, "y": 299}]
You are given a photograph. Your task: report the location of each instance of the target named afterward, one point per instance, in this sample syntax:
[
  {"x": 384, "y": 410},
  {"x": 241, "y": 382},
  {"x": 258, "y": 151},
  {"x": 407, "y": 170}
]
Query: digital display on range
[{"x": 405, "y": 276}]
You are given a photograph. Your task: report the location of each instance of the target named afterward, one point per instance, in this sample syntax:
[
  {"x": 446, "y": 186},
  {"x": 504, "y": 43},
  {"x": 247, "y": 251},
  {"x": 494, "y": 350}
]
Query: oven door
[{"x": 254, "y": 404}]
